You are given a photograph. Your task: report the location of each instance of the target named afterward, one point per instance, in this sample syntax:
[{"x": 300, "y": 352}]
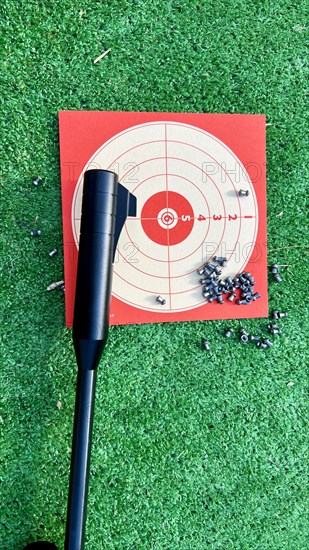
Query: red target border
[{"x": 225, "y": 129}]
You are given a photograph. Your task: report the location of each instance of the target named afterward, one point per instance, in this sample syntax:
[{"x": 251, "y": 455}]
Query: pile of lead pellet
[{"x": 213, "y": 287}]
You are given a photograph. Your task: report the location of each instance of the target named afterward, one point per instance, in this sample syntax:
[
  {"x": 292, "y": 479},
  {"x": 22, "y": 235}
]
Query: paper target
[{"x": 188, "y": 209}]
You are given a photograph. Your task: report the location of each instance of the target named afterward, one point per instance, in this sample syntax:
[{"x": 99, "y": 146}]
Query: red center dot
[{"x": 167, "y": 218}]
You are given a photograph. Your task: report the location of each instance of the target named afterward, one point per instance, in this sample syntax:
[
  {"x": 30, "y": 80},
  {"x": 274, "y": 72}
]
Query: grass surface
[{"x": 192, "y": 450}]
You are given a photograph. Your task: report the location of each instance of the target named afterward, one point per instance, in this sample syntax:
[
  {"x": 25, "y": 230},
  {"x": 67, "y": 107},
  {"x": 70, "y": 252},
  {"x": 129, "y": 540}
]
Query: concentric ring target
[
  {"x": 186, "y": 182},
  {"x": 160, "y": 220}
]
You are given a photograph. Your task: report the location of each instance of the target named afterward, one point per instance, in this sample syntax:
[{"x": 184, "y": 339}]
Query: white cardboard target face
[{"x": 186, "y": 182}]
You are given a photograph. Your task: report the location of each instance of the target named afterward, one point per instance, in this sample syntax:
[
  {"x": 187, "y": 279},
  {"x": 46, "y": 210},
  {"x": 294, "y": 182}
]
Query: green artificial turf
[{"x": 191, "y": 450}]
